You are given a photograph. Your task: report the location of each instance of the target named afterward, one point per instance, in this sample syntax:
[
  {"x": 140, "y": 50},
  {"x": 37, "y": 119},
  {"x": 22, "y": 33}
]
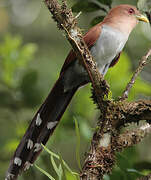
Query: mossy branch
[{"x": 107, "y": 138}]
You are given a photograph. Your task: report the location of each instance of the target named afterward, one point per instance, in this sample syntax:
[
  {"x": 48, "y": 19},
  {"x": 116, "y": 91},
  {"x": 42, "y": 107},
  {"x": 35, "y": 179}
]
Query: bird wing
[
  {"x": 90, "y": 38},
  {"x": 115, "y": 60}
]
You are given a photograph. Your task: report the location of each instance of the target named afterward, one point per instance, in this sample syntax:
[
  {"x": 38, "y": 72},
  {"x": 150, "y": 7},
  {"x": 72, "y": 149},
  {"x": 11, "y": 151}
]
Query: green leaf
[
  {"x": 133, "y": 174},
  {"x": 57, "y": 170},
  {"x": 143, "y": 165},
  {"x": 134, "y": 171},
  {"x": 85, "y": 6},
  {"x": 141, "y": 4},
  {"x": 118, "y": 175},
  {"x": 123, "y": 162},
  {"x": 86, "y": 130},
  {"x": 58, "y": 157},
  {"x": 70, "y": 176},
  {"x": 118, "y": 83},
  {"x": 26, "y": 54},
  {"x": 78, "y": 143},
  {"x": 44, "y": 172},
  {"x": 50, "y": 152},
  {"x": 106, "y": 2},
  {"x": 14, "y": 56},
  {"x": 28, "y": 86},
  {"x": 62, "y": 167},
  {"x": 146, "y": 172},
  {"x": 106, "y": 177},
  {"x": 66, "y": 173},
  {"x": 144, "y": 5},
  {"x": 7, "y": 99},
  {"x": 108, "y": 97},
  {"x": 10, "y": 146},
  {"x": 97, "y": 20}
]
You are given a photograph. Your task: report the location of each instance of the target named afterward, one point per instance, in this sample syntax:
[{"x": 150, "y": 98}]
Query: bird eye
[{"x": 131, "y": 11}]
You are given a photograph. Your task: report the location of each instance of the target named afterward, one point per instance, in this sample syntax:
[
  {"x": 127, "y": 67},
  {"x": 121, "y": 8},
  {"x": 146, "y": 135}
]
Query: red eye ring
[{"x": 131, "y": 11}]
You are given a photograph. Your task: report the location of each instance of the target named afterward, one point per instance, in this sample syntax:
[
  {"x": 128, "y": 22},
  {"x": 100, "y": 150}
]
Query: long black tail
[{"x": 40, "y": 129}]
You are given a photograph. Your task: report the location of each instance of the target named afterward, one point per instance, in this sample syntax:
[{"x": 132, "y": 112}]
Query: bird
[{"x": 105, "y": 41}]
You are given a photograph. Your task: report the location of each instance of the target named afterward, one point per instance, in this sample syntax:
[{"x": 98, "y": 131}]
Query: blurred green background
[{"x": 32, "y": 51}]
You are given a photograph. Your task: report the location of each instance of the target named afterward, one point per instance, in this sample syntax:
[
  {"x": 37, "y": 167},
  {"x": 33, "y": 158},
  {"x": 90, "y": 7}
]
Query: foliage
[
  {"x": 97, "y": 20},
  {"x": 78, "y": 144},
  {"x": 125, "y": 167},
  {"x": 18, "y": 86},
  {"x": 87, "y": 6},
  {"x": 91, "y": 6},
  {"x": 23, "y": 74},
  {"x": 62, "y": 170},
  {"x": 144, "y": 5},
  {"x": 14, "y": 56},
  {"x": 14, "y": 59},
  {"x": 118, "y": 83},
  {"x": 106, "y": 2}
]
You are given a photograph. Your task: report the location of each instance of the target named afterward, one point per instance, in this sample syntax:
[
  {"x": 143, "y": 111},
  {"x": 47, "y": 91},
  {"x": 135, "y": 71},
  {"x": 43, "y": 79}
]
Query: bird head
[{"x": 124, "y": 18}]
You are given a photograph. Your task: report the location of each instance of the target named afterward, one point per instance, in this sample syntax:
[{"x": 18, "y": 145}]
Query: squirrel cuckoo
[{"x": 105, "y": 41}]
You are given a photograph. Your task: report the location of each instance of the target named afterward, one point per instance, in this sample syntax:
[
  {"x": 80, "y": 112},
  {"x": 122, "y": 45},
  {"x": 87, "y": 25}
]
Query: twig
[
  {"x": 133, "y": 112},
  {"x": 142, "y": 63},
  {"x": 131, "y": 137}
]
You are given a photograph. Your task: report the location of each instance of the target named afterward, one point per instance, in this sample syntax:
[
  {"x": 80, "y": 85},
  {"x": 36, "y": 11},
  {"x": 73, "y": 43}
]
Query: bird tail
[{"x": 40, "y": 129}]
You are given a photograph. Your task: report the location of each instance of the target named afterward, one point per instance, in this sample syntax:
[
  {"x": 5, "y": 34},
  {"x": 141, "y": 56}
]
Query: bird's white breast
[{"x": 109, "y": 44}]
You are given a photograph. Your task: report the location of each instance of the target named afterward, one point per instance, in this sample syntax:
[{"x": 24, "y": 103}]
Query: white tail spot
[
  {"x": 38, "y": 120},
  {"x": 50, "y": 125},
  {"x": 17, "y": 161},
  {"x": 37, "y": 147},
  {"x": 30, "y": 144},
  {"x": 27, "y": 165},
  {"x": 9, "y": 176}
]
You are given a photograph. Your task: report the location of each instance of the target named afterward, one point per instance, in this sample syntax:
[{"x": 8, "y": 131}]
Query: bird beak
[{"x": 141, "y": 17}]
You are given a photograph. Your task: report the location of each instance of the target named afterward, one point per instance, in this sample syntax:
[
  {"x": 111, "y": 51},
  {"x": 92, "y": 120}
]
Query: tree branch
[
  {"x": 142, "y": 63},
  {"x": 133, "y": 112},
  {"x": 114, "y": 114},
  {"x": 67, "y": 22},
  {"x": 107, "y": 140},
  {"x": 129, "y": 138}
]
